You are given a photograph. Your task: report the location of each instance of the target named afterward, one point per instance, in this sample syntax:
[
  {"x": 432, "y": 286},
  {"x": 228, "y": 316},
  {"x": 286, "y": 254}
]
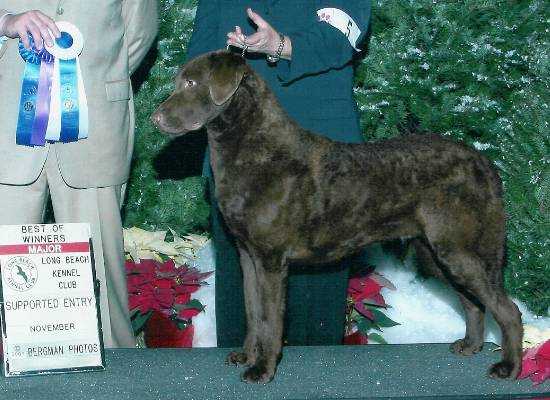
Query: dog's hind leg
[
  {"x": 468, "y": 270},
  {"x": 265, "y": 298},
  {"x": 474, "y": 311},
  {"x": 475, "y": 327}
]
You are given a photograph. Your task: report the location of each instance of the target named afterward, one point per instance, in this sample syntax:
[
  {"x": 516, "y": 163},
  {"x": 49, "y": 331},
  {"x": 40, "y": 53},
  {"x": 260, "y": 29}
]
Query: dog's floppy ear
[{"x": 227, "y": 71}]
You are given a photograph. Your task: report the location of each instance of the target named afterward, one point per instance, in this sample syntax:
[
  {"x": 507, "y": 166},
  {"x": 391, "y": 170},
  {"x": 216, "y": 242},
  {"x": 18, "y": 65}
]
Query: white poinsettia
[
  {"x": 142, "y": 244},
  {"x": 533, "y": 336},
  {"x": 187, "y": 246}
]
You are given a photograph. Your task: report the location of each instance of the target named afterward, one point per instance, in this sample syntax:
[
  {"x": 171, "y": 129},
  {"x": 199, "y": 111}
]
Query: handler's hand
[
  {"x": 266, "y": 39},
  {"x": 39, "y": 25}
]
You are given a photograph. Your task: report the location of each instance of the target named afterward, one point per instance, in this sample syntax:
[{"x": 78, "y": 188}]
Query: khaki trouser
[{"x": 100, "y": 207}]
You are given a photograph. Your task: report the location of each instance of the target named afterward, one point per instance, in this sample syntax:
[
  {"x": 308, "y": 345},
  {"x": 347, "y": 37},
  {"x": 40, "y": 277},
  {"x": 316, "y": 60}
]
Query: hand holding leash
[{"x": 265, "y": 40}]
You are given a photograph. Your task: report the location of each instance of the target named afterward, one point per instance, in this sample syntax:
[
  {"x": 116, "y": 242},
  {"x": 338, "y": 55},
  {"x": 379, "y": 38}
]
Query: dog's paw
[
  {"x": 258, "y": 374},
  {"x": 504, "y": 370},
  {"x": 236, "y": 358},
  {"x": 464, "y": 347}
]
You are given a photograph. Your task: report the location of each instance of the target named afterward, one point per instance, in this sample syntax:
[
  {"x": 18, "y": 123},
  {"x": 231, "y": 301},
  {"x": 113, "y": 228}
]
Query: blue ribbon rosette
[{"x": 53, "y": 105}]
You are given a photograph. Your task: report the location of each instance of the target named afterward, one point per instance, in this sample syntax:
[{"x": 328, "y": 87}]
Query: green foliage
[
  {"x": 194, "y": 303},
  {"x": 155, "y": 203},
  {"x": 139, "y": 320},
  {"x": 375, "y": 337},
  {"x": 381, "y": 319},
  {"x": 365, "y": 325},
  {"x": 475, "y": 70}
]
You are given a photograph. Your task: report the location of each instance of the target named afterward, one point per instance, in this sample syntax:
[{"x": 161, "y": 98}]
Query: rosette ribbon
[{"x": 53, "y": 105}]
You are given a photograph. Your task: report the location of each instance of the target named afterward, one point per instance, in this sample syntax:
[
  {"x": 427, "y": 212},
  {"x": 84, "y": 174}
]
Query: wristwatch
[{"x": 276, "y": 57}]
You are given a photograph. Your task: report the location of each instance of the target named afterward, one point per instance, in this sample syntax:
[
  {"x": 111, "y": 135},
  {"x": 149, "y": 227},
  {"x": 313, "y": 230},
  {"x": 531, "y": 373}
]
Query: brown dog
[{"x": 290, "y": 196}]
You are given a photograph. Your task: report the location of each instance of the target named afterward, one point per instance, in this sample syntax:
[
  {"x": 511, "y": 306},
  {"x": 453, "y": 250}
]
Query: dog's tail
[{"x": 494, "y": 233}]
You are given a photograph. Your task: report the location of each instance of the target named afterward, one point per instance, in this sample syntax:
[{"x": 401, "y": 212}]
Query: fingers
[
  {"x": 236, "y": 38},
  {"x": 254, "y": 43},
  {"x": 23, "y": 35},
  {"x": 262, "y": 41},
  {"x": 51, "y": 27},
  {"x": 259, "y": 21},
  {"x": 42, "y": 28},
  {"x": 45, "y": 25},
  {"x": 240, "y": 34},
  {"x": 36, "y": 34}
]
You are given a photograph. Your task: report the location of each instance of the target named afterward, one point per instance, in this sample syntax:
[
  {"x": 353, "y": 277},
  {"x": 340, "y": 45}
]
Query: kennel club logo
[{"x": 20, "y": 273}]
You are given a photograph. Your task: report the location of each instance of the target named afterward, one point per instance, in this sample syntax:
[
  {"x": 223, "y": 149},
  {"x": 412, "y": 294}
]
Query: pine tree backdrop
[{"x": 476, "y": 70}]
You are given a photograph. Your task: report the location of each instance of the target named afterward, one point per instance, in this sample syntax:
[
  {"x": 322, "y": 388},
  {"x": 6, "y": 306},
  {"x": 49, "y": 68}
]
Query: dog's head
[{"x": 204, "y": 87}]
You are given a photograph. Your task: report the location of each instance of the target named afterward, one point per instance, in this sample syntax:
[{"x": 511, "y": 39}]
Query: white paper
[{"x": 49, "y": 310}]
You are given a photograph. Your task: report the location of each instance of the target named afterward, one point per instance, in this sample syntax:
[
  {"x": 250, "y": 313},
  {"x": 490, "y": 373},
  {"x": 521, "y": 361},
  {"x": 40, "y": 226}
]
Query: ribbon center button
[{"x": 65, "y": 41}]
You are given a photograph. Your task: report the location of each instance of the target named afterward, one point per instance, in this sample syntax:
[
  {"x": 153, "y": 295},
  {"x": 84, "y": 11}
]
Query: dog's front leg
[
  {"x": 267, "y": 317},
  {"x": 252, "y": 304}
]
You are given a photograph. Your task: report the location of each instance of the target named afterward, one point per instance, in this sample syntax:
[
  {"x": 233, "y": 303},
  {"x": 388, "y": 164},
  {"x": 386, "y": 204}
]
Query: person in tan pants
[{"x": 86, "y": 178}]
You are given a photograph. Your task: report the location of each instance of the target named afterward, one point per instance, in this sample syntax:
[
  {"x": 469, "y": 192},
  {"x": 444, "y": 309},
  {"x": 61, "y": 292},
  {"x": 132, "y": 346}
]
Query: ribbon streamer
[
  {"x": 69, "y": 108},
  {"x": 53, "y": 105},
  {"x": 35, "y": 95},
  {"x": 43, "y": 105},
  {"x": 69, "y": 101}
]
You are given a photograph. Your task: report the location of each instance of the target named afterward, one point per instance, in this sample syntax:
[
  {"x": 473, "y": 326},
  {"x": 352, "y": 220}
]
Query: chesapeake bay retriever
[{"x": 290, "y": 196}]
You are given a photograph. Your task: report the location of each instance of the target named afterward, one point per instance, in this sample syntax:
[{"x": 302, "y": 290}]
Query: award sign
[{"x": 49, "y": 306}]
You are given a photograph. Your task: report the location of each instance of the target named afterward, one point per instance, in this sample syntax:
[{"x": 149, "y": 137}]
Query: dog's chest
[{"x": 255, "y": 206}]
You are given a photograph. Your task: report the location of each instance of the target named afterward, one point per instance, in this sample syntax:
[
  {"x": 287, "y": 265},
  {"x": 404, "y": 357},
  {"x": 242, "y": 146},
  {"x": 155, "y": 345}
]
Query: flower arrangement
[
  {"x": 160, "y": 284},
  {"x": 536, "y": 355},
  {"x": 364, "y": 313}
]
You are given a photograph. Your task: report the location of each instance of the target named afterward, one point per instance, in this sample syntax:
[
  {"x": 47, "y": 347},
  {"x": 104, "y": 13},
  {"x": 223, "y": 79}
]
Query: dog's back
[{"x": 330, "y": 199}]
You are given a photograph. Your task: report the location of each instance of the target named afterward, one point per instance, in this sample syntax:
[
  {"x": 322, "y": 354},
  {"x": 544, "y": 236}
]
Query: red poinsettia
[
  {"x": 364, "y": 304},
  {"x": 162, "y": 288},
  {"x": 160, "y": 332},
  {"x": 536, "y": 363},
  {"x": 355, "y": 338}
]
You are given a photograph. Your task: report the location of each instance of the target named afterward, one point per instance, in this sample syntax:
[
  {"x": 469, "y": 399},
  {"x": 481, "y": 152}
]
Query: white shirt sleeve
[{"x": 343, "y": 22}]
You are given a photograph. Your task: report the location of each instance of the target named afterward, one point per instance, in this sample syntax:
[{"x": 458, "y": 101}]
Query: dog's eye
[{"x": 188, "y": 83}]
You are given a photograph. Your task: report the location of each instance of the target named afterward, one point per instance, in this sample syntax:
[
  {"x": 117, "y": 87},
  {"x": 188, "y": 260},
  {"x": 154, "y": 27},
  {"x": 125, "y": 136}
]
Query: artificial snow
[
  {"x": 427, "y": 310},
  {"x": 205, "y": 322}
]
